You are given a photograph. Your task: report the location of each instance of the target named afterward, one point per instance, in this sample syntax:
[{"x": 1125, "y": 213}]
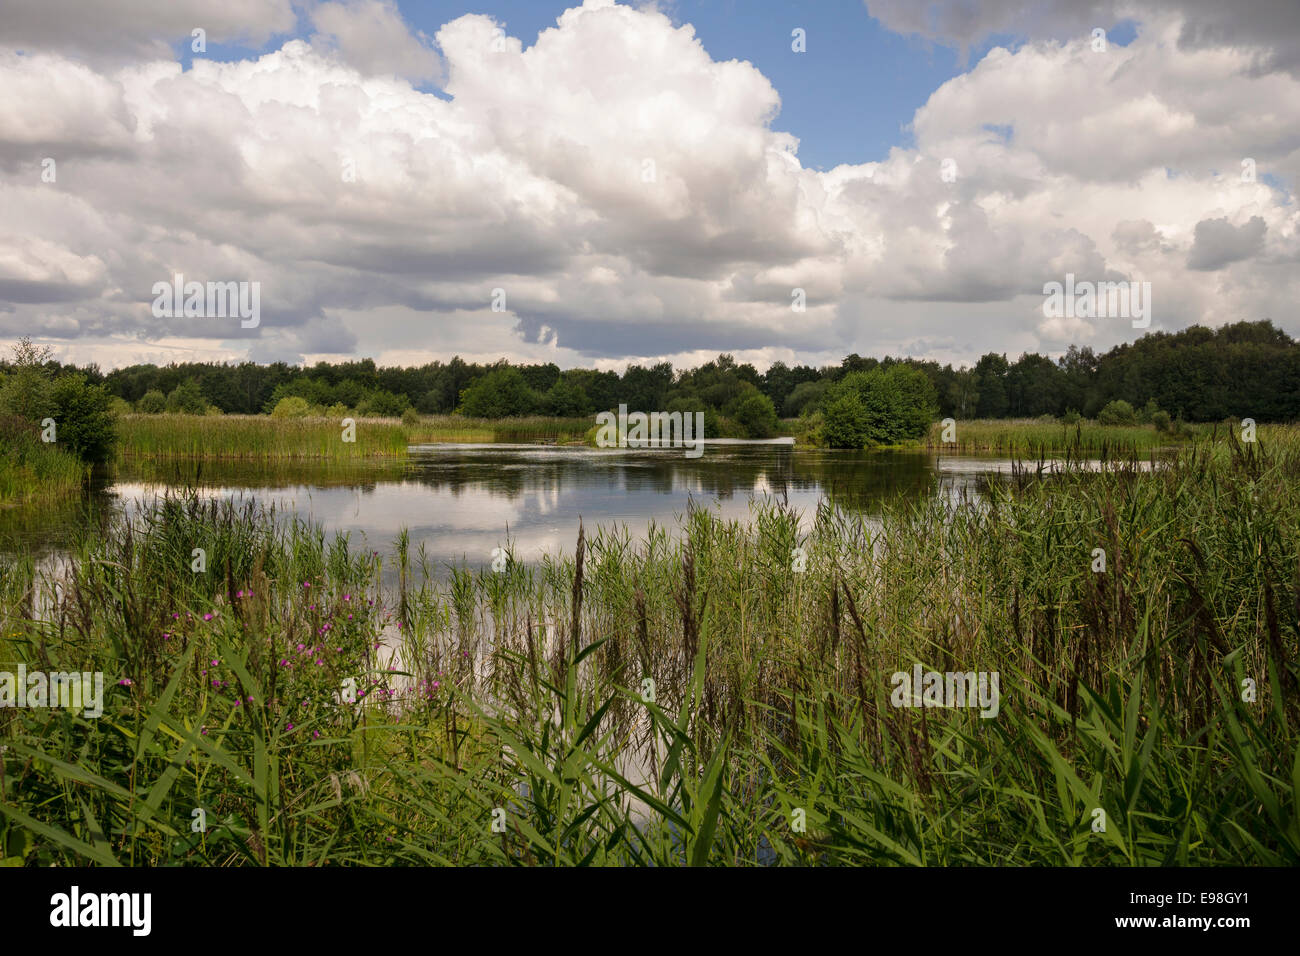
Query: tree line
[{"x": 1246, "y": 369}]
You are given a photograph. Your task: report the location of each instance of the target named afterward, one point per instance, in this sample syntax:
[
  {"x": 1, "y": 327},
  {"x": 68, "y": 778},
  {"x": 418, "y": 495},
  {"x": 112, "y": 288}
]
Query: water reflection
[{"x": 461, "y": 501}]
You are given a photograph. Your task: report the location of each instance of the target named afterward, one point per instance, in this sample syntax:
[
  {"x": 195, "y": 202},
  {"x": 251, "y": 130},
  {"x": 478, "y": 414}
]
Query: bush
[
  {"x": 754, "y": 413},
  {"x": 410, "y": 417},
  {"x": 1118, "y": 412},
  {"x": 884, "y": 406},
  {"x": 152, "y": 402},
  {"x": 1148, "y": 411},
  {"x": 291, "y": 407},
  {"x": 501, "y": 393},
  {"x": 844, "y": 422},
  {"x": 25, "y": 391},
  {"x": 567, "y": 400},
  {"x": 337, "y": 410},
  {"x": 85, "y": 419},
  {"x": 1161, "y": 420},
  {"x": 1071, "y": 416},
  {"x": 805, "y": 397},
  {"x": 382, "y": 404},
  {"x": 187, "y": 399}
]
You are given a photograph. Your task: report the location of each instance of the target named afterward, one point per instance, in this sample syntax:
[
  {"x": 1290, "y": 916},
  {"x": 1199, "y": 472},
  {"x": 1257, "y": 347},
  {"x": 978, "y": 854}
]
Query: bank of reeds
[
  {"x": 257, "y": 438},
  {"x": 707, "y": 695},
  {"x": 433, "y": 429},
  {"x": 1030, "y": 437},
  {"x": 32, "y": 470}
]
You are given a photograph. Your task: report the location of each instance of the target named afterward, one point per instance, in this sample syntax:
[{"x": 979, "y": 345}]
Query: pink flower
[
  {"x": 124, "y": 682},
  {"x": 207, "y": 617},
  {"x": 290, "y": 727}
]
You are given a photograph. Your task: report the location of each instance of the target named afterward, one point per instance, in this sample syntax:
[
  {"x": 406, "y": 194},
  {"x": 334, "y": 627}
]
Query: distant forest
[{"x": 1248, "y": 369}]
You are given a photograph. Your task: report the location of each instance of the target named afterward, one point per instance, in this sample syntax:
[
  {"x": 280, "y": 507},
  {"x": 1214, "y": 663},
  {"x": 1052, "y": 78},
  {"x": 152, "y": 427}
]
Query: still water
[{"x": 462, "y": 501}]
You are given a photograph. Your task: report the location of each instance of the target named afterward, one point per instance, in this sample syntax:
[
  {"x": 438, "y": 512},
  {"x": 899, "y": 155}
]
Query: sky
[{"x": 602, "y": 183}]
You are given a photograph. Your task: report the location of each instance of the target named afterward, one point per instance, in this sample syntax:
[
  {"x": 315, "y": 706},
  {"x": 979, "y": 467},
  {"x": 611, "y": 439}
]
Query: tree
[
  {"x": 804, "y": 397},
  {"x": 187, "y": 399},
  {"x": 87, "y": 424},
  {"x": 844, "y": 420},
  {"x": 26, "y": 389},
  {"x": 754, "y": 413},
  {"x": 152, "y": 402},
  {"x": 1118, "y": 412},
  {"x": 884, "y": 406},
  {"x": 383, "y": 404},
  {"x": 291, "y": 406},
  {"x": 501, "y": 393},
  {"x": 991, "y": 383},
  {"x": 567, "y": 400}
]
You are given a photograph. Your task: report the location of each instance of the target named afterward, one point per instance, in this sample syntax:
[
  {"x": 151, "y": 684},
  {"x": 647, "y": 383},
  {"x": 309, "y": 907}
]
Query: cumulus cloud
[
  {"x": 1268, "y": 31},
  {"x": 110, "y": 30},
  {"x": 372, "y": 36},
  {"x": 1218, "y": 243},
  {"x": 631, "y": 196}
]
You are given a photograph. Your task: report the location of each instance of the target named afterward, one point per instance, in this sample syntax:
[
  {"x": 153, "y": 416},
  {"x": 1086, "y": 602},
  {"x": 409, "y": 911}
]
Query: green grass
[
  {"x": 33, "y": 471},
  {"x": 256, "y": 437},
  {"x": 1121, "y": 690},
  {"x": 432, "y": 429},
  {"x": 1032, "y": 437}
]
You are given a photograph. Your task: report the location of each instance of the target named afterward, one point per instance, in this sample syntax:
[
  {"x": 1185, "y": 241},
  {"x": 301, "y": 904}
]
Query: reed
[
  {"x": 690, "y": 697},
  {"x": 256, "y": 438},
  {"x": 32, "y": 470},
  {"x": 1031, "y": 437},
  {"x": 433, "y": 429}
]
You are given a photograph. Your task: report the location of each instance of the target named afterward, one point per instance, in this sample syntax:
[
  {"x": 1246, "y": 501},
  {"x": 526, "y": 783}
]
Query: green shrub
[
  {"x": 501, "y": 393},
  {"x": 291, "y": 407},
  {"x": 804, "y": 398},
  {"x": 1118, "y": 412},
  {"x": 844, "y": 422},
  {"x": 883, "y": 406},
  {"x": 84, "y": 416},
  {"x": 152, "y": 402},
  {"x": 1161, "y": 420},
  {"x": 754, "y": 413},
  {"x": 382, "y": 404},
  {"x": 1071, "y": 416},
  {"x": 567, "y": 399},
  {"x": 187, "y": 399},
  {"x": 410, "y": 417}
]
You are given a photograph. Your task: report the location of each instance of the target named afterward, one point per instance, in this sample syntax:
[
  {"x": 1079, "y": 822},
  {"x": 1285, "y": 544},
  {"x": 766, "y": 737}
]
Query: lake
[{"x": 462, "y": 501}]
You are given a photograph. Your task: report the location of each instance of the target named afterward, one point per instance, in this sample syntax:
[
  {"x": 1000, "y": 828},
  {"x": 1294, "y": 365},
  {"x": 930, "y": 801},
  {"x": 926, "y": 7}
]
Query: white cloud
[
  {"x": 372, "y": 36},
  {"x": 630, "y": 195},
  {"x": 106, "y": 31}
]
